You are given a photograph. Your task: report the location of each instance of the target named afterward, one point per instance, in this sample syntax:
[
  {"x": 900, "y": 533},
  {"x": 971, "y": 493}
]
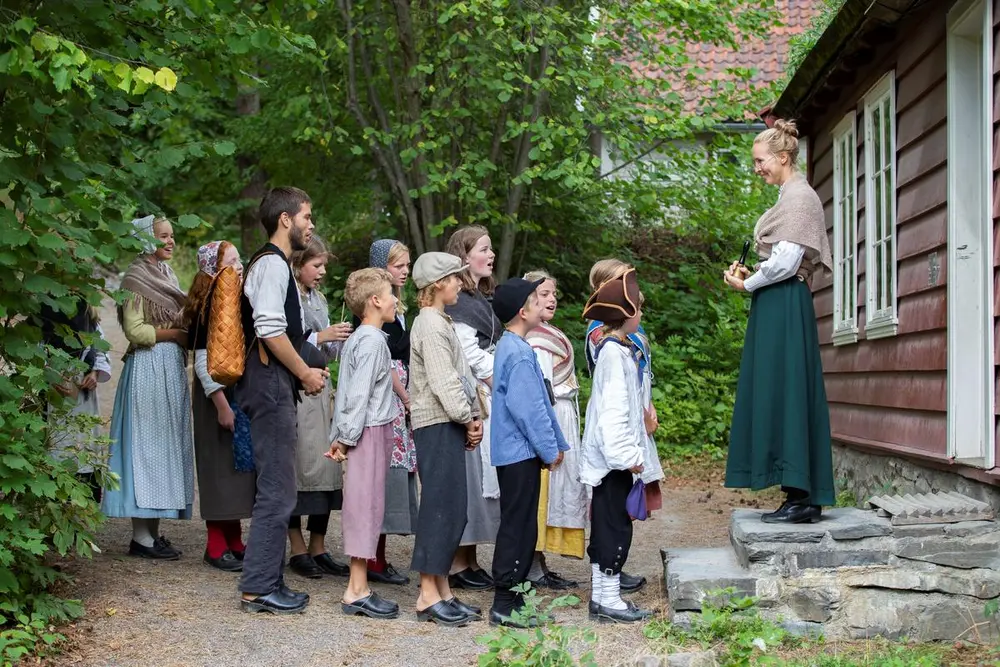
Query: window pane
[
  {"x": 889, "y": 267},
  {"x": 874, "y": 277},
  {"x": 877, "y": 209},
  {"x": 876, "y": 133},
  {"x": 887, "y": 122},
  {"x": 890, "y": 203},
  {"x": 849, "y": 293}
]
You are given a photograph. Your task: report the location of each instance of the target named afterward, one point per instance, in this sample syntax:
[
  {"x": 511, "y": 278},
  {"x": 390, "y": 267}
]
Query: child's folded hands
[{"x": 338, "y": 452}]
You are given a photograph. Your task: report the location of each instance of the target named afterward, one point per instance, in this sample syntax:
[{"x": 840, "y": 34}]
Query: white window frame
[
  {"x": 845, "y": 230},
  {"x": 880, "y": 322}
]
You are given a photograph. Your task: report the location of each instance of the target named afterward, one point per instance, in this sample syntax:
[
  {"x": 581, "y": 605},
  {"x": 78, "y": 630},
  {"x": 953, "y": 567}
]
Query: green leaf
[
  {"x": 189, "y": 221},
  {"x": 224, "y": 147},
  {"x": 145, "y": 75},
  {"x": 165, "y": 79},
  {"x": 44, "y": 43}
]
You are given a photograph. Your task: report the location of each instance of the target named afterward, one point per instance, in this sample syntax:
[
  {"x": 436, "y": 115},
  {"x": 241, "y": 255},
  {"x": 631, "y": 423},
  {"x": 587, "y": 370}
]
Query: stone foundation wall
[{"x": 867, "y": 475}]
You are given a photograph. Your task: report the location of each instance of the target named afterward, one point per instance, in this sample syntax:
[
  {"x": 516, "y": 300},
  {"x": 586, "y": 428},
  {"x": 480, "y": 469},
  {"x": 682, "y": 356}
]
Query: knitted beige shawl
[{"x": 796, "y": 217}]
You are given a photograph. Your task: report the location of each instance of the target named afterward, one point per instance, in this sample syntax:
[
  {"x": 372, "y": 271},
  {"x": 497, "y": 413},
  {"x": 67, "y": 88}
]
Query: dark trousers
[
  {"x": 317, "y": 523},
  {"x": 267, "y": 395},
  {"x": 610, "y": 524},
  {"x": 520, "y": 485},
  {"x": 444, "y": 507}
]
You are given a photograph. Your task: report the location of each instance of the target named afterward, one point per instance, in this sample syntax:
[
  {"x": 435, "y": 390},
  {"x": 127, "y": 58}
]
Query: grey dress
[{"x": 319, "y": 479}]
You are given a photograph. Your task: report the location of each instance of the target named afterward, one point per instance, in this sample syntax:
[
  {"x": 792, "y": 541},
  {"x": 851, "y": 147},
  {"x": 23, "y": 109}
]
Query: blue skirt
[{"x": 154, "y": 457}]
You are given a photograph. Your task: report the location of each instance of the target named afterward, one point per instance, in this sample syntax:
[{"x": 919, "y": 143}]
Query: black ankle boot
[{"x": 794, "y": 513}]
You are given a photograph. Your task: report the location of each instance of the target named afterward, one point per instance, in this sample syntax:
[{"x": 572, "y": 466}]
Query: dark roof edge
[{"x": 820, "y": 59}]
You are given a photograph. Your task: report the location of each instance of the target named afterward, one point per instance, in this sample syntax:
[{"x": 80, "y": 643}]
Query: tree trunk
[{"x": 251, "y": 233}]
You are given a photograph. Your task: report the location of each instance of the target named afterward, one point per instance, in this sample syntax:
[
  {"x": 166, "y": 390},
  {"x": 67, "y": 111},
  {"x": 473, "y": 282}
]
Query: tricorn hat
[{"x": 615, "y": 300}]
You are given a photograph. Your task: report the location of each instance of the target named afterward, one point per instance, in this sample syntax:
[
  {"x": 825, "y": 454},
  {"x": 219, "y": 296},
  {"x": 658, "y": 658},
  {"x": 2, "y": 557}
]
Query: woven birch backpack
[{"x": 226, "y": 346}]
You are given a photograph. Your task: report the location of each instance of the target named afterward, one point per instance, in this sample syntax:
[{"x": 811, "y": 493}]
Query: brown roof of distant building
[{"x": 767, "y": 57}]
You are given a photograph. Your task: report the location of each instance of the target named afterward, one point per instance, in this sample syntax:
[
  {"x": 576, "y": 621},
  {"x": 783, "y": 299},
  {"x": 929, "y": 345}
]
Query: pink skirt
[{"x": 364, "y": 491}]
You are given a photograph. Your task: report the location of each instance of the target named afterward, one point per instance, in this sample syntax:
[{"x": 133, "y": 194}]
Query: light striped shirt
[{"x": 364, "y": 386}]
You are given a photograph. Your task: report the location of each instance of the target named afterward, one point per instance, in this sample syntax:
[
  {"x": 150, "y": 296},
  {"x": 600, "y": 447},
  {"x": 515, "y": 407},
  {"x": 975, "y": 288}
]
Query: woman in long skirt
[
  {"x": 781, "y": 421},
  {"x": 401, "y": 480},
  {"x": 225, "y": 494},
  {"x": 479, "y": 330},
  {"x": 320, "y": 480},
  {"x": 151, "y": 441}
]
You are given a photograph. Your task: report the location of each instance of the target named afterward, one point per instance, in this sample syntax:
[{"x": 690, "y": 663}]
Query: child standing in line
[
  {"x": 362, "y": 425},
  {"x": 525, "y": 436},
  {"x": 613, "y": 447},
  {"x": 564, "y": 503},
  {"x": 446, "y": 425}
]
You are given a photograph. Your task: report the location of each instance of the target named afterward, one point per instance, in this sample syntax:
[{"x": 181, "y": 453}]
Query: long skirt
[
  {"x": 563, "y": 502},
  {"x": 364, "y": 491},
  {"x": 224, "y": 493},
  {"x": 482, "y": 486},
  {"x": 152, "y": 449},
  {"x": 781, "y": 421},
  {"x": 441, "y": 462},
  {"x": 400, "y": 502}
]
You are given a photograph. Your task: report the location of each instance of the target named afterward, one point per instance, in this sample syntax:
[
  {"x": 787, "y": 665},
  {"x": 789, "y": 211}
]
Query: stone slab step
[
  {"x": 692, "y": 573},
  {"x": 840, "y": 523}
]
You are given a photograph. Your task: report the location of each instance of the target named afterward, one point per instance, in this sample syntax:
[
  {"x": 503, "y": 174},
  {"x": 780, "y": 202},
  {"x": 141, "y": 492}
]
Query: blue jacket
[{"x": 523, "y": 424}]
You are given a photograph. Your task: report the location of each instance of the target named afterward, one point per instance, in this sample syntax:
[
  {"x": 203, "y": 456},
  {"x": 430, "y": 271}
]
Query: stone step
[{"x": 692, "y": 573}]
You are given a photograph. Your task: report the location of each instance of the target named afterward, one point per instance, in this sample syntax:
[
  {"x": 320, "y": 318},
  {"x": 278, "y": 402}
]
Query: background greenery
[{"x": 401, "y": 120}]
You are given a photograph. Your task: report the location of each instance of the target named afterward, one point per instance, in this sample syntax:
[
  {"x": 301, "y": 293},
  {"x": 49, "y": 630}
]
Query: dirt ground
[{"x": 186, "y": 613}]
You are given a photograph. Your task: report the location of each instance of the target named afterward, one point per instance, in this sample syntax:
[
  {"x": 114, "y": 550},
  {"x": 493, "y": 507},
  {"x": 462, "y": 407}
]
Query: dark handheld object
[{"x": 743, "y": 256}]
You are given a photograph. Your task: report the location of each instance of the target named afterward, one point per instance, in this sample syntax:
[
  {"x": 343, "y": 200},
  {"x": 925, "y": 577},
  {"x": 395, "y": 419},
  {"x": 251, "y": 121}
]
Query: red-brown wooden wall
[{"x": 891, "y": 394}]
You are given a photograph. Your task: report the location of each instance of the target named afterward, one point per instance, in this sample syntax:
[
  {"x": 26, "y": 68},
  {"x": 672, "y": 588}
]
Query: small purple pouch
[{"x": 636, "y": 501}]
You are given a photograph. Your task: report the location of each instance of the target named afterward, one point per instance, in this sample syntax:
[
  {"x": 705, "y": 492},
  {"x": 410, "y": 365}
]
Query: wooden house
[{"x": 898, "y": 102}]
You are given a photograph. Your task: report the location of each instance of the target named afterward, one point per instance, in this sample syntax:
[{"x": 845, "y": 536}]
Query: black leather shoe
[
  {"x": 227, "y": 562},
  {"x": 371, "y": 606},
  {"x": 485, "y": 576},
  {"x": 794, "y": 513},
  {"x": 443, "y": 613},
  {"x": 327, "y": 565},
  {"x": 304, "y": 566},
  {"x": 388, "y": 576},
  {"x": 592, "y": 608},
  {"x": 238, "y": 555},
  {"x": 629, "y": 583},
  {"x": 288, "y": 592},
  {"x": 466, "y": 609},
  {"x": 275, "y": 602},
  {"x": 155, "y": 552},
  {"x": 631, "y": 614},
  {"x": 167, "y": 544},
  {"x": 469, "y": 579},
  {"x": 553, "y": 581},
  {"x": 496, "y": 618}
]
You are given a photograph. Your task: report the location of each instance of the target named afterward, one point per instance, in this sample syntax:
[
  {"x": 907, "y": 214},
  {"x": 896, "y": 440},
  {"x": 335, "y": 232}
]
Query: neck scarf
[
  {"x": 153, "y": 285},
  {"x": 552, "y": 340},
  {"x": 796, "y": 217},
  {"x": 474, "y": 310}
]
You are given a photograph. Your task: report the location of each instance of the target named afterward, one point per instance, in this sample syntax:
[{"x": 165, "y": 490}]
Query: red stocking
[
  {"x": 234, "y": 535},
  {"x": 378, "y": 563},
  {"x": 216, "y": 539}
]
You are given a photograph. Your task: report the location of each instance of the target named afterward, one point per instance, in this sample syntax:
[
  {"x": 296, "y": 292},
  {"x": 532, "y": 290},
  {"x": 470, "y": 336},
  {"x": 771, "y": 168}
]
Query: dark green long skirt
[{"x": 781, "y": 421}]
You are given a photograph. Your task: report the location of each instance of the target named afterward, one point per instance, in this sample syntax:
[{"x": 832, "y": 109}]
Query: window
[
  {"x": 880, "y": 208},
  {"x": 845, "y": 232}
]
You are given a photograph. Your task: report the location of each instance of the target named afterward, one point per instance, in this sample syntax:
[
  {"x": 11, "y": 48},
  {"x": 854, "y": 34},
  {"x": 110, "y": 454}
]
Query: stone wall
[{"x": 867, "y": 475}]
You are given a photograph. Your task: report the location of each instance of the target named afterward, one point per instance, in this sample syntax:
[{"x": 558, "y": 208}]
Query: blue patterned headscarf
[{"x": 378, "y": 255}]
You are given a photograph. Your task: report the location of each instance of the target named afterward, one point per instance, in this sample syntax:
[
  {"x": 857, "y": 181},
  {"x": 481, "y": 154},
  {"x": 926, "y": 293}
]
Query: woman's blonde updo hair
[{"x": 782, "y": 138}]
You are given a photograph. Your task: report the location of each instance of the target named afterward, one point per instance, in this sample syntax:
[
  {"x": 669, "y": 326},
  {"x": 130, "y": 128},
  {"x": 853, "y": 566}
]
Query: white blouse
[{"x": 784, "y": 262}]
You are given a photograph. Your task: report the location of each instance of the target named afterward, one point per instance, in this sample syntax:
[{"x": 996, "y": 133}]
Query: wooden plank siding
[{"x": 891, "y": 394}]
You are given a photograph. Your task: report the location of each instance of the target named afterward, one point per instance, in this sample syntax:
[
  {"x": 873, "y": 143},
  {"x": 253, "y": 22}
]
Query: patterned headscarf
[
  {"x": 208, "y": 258},
  {"x": 143, "y": 231},
  {"x": 378, "y": 255}
]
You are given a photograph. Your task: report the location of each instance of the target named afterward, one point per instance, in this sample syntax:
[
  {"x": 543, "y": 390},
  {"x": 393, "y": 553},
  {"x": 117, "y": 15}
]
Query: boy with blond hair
[{"x": 362, "y": 433}]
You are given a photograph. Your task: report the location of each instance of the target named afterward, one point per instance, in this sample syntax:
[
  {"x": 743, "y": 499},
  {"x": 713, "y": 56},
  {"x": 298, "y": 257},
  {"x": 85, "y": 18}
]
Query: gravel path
[{"x": 186, "y": 613}]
